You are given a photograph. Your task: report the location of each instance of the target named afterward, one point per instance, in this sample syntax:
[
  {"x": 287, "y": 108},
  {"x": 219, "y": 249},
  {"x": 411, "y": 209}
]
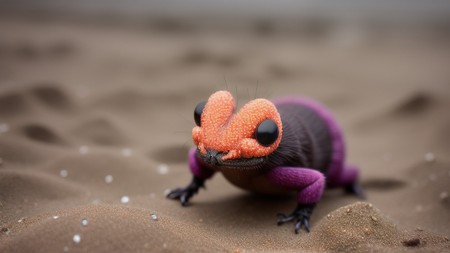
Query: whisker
[
  {"x": 185, "y": 118},
  {"x": 182, "y": 132},
  {"x": 256, "y": 90},
  {"x": 248, "y": 94},
  {"x": 226, "y": 83}
]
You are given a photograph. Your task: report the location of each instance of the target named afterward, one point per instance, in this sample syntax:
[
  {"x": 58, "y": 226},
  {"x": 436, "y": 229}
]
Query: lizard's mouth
[{"x": 213, "y": 160}]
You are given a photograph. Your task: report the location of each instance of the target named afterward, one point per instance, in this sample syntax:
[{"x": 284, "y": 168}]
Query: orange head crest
[{"x": 254, "y": 131}]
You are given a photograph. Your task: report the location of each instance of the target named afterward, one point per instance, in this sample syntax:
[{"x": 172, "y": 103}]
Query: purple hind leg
[
  {"x": 338, "y": 175},
  {"x": 309, "y": 185},
  {"x": 200, "y": 175}
]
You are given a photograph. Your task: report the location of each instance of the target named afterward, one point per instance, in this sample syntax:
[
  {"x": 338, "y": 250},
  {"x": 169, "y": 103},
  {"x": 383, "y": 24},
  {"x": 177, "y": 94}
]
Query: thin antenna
[
  {"x": 248, "y": 94},
  {"x": 226, "y": 83},
  {"x": 256, "y": 91},
  {"x": 237, "y": 97},
  {"x": 185, "y": 143},
  {"x": 182, "y": 132},
  {"x": 185, "y": 118}
]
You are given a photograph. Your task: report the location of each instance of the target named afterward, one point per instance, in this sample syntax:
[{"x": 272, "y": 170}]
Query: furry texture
[
  {"x": 336, "y": 172},
  {"x": 196, "y": 168},
  {"x": 311, "y": 182},
  {"x": 308, "y": 155},
  {"x": 223, "y": 131}
]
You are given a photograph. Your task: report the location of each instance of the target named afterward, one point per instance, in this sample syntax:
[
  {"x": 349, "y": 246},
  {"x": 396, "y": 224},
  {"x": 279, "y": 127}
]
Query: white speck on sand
[
  {"x": 109, "y": 179},
  {"x": 84, "y": 149},
  {"x": 430, "y": 157},
  {"x": 84, "y": 222},
  {"x": 125, "y": 199},
  {"x": 163, "y": 169},
  {"x": 77, "y": 238},
  {"x": 127, "y": 152},
  {"x": 63, "y": 173}
]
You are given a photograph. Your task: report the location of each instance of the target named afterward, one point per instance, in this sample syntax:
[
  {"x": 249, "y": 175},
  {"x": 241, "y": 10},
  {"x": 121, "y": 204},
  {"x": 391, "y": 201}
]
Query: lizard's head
[{"x": 238, "y": 140}]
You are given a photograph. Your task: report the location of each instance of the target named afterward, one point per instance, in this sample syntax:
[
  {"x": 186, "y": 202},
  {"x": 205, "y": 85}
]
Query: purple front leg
[
  {"x": 309, "y": 185},
  {"x": 200, "y": 175},
  {"x": 196, "y": 168}
]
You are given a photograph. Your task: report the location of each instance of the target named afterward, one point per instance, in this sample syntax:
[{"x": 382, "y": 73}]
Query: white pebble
[
  {"x": 127, "y": 152},
  {"x": 125, "y": 199},
  {"x": 55, "y": 217},
  {"x": 77, "y": 238},
  {"x": 109, "y": 179},
  {"x": 432, "y": 177},
  {"x": 84, "y": 222},
  {"x": 84, "y": 150},
  {"x": 430, "y": 157},
  {"x": 4, "y": 128},
  {"x": 21, "y": 220},
  {"x": 154, "y": 216},
  {"x": 163, "y": 168},
  {"x": 167, "y": 191},
  {"x": 63, "y": 173}
]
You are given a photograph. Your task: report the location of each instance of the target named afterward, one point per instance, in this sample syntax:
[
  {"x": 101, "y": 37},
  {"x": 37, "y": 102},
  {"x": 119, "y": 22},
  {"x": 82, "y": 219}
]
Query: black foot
[
  {"x": 355, "y": 189},
  {"x": 301, "y": 216},
  {"x": 184, "y": 194}
]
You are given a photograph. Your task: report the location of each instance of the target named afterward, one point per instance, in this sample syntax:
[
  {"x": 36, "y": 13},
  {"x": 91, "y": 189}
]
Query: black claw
[
  {"x": 174, "y": 194},
  {"x": 184, "y": 194},
  {"x": 298, "y": 226},
  {"x": 306, "y": 224},
  {"x": 301, "y": 214}
]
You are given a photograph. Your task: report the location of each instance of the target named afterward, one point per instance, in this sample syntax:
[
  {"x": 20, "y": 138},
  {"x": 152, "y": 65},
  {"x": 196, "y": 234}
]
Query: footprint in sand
[
  {"x": 199, "y": 56},
  {"x": 52, "y": 97},
  {"x": 383, "y": 184},
  {"x": 13, "y": 103},
  {"x": 30, "y": 50},
  {"x": 42, "y": 133},
  {"x": 414, "y": 104},
  {"x": 411, "y": 106},
  {"x": 101, "y": 131}
]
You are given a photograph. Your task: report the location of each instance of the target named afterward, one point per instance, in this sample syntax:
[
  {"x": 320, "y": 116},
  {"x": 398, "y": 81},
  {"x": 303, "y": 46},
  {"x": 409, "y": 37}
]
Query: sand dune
[{"x": 95, "y": 124}]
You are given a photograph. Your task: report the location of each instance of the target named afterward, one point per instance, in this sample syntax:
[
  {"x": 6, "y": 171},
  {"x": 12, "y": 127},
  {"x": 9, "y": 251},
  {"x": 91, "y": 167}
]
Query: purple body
[{"x": 306, "y": 171}]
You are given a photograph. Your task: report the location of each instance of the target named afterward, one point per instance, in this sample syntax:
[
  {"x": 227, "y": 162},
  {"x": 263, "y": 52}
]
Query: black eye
[
  {"x": 266, "y": 133},
  {"x": 198, "y": 112}
]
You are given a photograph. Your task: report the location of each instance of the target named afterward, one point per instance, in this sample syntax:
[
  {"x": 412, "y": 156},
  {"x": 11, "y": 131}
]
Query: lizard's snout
[{"x": 212, "y": 156}]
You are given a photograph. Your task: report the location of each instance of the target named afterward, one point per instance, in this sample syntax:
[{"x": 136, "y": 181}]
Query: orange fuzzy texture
[{"x": 232, "y": 134}]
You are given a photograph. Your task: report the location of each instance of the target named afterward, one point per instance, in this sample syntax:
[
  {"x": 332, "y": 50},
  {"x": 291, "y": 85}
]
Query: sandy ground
[{"x": 93, "y": 114}]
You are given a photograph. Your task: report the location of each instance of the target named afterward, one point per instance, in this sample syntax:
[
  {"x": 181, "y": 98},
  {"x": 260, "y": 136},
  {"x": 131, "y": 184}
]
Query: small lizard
[{"x": 290, "y": 144}]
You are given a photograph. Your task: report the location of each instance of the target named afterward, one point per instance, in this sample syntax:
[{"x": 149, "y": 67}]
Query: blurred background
[{"x": 119, "y": 53}]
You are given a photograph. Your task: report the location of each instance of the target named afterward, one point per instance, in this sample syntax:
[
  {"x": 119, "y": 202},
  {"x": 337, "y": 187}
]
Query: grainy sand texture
[{"x": 96, "y": 119}]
